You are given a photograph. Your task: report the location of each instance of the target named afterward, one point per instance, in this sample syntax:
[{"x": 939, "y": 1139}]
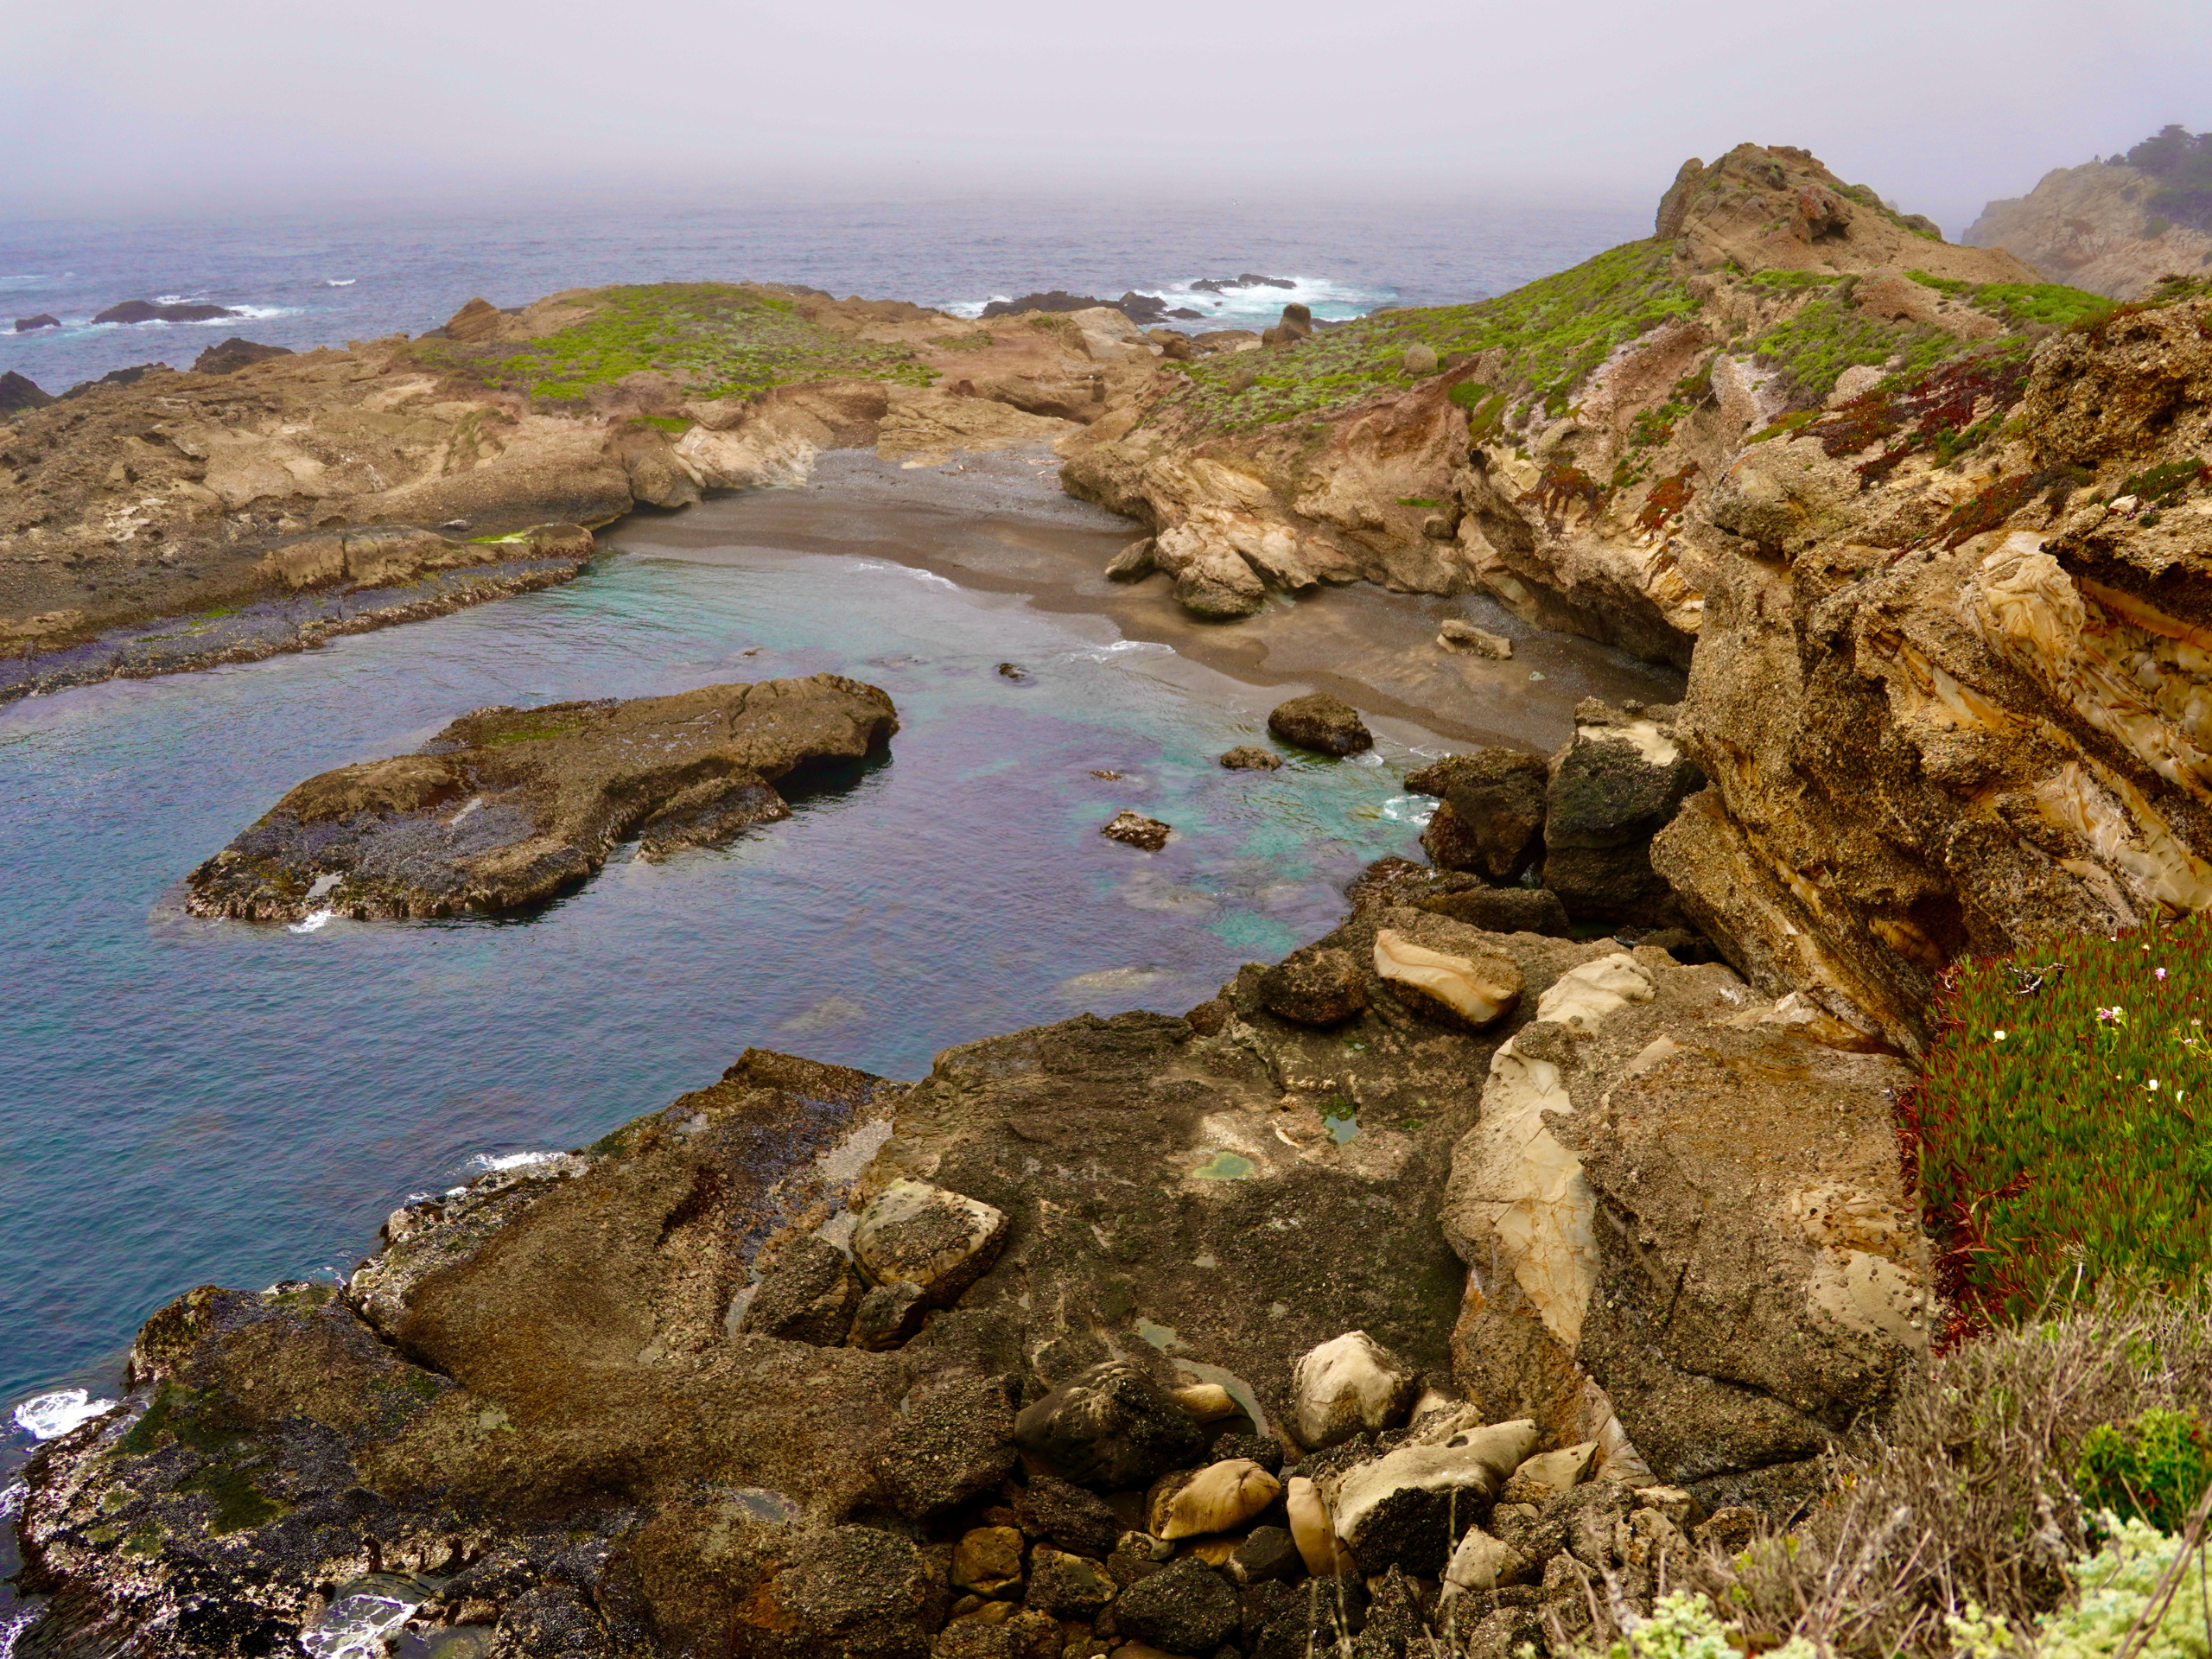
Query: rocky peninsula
[{"x": 1536, "y": 1231}]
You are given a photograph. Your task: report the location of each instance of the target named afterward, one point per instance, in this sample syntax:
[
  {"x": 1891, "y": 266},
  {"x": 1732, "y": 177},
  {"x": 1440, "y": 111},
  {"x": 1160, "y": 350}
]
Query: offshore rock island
[{"x": 1483, "y": 1266}]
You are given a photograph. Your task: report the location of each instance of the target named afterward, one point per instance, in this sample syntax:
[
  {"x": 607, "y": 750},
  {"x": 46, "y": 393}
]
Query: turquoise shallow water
[{"x": 193, "y": 1102}]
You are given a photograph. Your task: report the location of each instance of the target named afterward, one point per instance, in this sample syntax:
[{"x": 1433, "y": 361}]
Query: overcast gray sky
[{"x": 118, "y": 105}]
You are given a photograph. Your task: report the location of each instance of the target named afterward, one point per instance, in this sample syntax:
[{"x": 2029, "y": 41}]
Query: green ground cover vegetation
[
  {"x": 723, "y": 341},
  {"x": 1551, "y": 333},
  {"x": 2060, "y": 1126}
]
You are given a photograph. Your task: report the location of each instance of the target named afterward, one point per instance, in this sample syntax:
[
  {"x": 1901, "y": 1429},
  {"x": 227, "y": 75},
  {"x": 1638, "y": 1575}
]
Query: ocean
[{"x": 307, "y": 280}]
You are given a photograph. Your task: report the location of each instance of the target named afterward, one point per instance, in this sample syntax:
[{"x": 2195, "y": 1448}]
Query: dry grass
[{"x": 1967, "y": 1494}]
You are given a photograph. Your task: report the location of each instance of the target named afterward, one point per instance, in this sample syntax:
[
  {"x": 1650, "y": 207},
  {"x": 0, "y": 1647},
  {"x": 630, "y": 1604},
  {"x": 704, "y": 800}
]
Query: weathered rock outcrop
[
  {"x": 1949, "y": 709},
  {"x": 508, "y": 806}
]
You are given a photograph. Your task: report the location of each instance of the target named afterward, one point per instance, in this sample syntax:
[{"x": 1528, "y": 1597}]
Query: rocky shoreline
[
  {"x": 1430, "y": 1278},
  {"x": 1061, "y": 1346}
]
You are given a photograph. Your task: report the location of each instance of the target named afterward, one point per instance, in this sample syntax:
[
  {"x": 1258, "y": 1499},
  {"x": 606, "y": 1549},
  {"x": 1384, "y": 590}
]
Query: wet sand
[{"x": 999, "y": 525}]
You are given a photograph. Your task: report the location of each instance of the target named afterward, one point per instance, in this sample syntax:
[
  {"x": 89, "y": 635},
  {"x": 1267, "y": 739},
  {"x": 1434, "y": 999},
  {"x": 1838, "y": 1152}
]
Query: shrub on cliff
[{"x": 2058, "y": 1127}]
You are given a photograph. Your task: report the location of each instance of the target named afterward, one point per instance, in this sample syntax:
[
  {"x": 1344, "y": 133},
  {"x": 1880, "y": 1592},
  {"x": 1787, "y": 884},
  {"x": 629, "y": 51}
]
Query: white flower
[{"x": 1999, "y": 1035}]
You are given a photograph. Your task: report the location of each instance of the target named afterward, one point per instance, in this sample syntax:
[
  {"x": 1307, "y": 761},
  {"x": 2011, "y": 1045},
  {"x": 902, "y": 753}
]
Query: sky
[{"x": 115, "y": 107}]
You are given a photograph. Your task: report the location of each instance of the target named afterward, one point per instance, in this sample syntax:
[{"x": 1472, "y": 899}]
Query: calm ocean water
[
  {"x": 190, "y": 1101},
  {"x": 308, "y": 281}
]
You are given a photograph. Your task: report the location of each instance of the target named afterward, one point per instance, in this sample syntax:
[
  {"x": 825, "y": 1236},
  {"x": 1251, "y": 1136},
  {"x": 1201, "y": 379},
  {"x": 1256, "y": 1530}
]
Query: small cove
[{"x": 197, "y": 1102}]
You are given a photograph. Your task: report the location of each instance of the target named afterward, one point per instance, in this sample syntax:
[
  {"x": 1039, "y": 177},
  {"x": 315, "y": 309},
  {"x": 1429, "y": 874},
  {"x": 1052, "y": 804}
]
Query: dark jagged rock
[
  {"x": 129, "y": 377},
  {"x": 30, "y": 325},
  {"x": 810, "y": 1294},
  {"x": 1322, "y": 722},
  {"x": 147, "y": 311},
  {"x": 1109, "y": 1427},
  {"x": 1185, "y": 1608},
  {"x": 1619, "y": 781},
  {"x": 1079, "y": 1521},
  {"x": 19, "y": 391},
  {"x": 1491, "y": 822},
  {"x": 953, "y": 1441},
  {"x": 508, "y": 806},
  {"x": 1139, "y": 308},
  {"x": 235, "y": 354}
]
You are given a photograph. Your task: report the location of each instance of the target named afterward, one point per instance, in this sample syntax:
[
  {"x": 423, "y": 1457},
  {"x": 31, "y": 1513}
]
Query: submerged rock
[
  {"x": 1321, "y": 722},
  {"x": 1250, "y": 758},
  {"x": 508, "y": 806}
]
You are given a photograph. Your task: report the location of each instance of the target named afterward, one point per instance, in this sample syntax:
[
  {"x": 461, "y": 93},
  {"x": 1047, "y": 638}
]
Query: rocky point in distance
[{"x": 1124, "y": 1331}]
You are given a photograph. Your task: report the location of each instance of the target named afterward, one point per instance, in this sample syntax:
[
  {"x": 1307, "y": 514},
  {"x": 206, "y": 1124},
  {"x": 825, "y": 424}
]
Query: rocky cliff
[{"x": 1924, "y": 529}]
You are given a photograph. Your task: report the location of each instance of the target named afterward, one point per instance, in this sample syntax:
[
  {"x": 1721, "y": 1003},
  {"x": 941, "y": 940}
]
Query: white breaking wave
[
  {"x": 314, "y": 922},
  {"x": 356, "y": 1626},
  {"x": 49, "y": 1416},
  {"x": 1328, "y": 299},
  {"x": 1409, "y": 808},
  {"x": 491, "y": 1161},
  {"x": 339, "y": 282}
]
